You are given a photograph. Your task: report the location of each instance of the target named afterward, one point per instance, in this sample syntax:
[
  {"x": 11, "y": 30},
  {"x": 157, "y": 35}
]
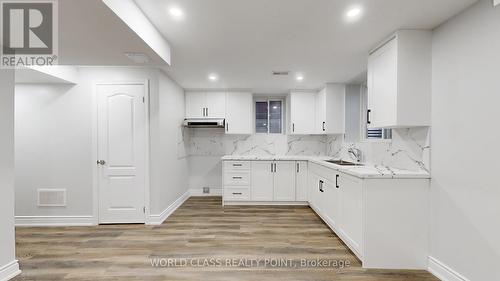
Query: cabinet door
[
  {"x": 301, "y": 181},
  {"x": 284, "y": 181},
  {"x": 320, "y": 112},
  {"x": 351, "y": 190},
  {"x": 302, "y": 105},
  {"x": 195, "y": 104},
  {"x": 314, "y": 192},
  {"x": 382, "y": 86},
  {"x": 262, "y": 181},
  {"x": 239, "y": 113},
  {"x": 216, "y": 104},
  {"x": 335, "y": 110},
  {"x": 330, "y": 203}
]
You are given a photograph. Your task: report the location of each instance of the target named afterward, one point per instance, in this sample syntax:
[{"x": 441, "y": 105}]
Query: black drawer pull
[
  {"x": 237, "y": 193},
  {"x": 337, "y": 181},
  {"x": 237, "y": 165},
  {"x": 237, "y": 178}
]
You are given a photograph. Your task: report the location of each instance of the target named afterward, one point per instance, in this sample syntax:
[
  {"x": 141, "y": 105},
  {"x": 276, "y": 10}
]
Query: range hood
[{"x": 204, "y": 123}]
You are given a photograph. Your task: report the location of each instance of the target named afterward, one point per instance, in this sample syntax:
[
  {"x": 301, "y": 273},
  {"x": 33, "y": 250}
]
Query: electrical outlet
[{"x": 206, "y": 190}]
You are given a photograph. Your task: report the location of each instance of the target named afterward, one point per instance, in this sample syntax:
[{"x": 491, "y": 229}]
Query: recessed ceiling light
[
  {"x": 353, "y": 13},
  {"x": 299, "y": 77},
  {"x": 176, "y": 12},
  {"x": 213, "y": 77}
]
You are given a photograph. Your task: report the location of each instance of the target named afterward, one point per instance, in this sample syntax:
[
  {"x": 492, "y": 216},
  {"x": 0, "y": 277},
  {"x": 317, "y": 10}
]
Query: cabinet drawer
[
  {"x": 237, "y": 165},
  {"x": 236, "y": 194},
  {"x": 237, "y": 178}
]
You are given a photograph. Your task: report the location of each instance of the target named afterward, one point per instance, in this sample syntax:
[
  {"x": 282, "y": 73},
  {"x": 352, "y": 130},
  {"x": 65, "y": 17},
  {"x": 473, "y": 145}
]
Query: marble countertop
[{"x": 365, "y": 171}]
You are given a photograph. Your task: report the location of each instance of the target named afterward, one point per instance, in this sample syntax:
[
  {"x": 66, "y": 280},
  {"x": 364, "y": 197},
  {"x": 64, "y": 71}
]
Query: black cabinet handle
[
  {"x": 368, "y": 116},
  {"x": 275, "y": 167},
  {"x": 207, "y": 111},
  {"x": 272, "y": 168},
  {"x": 298, "y": 168},
  {"x": 237, "y": 178},
  {"x": 337, "y": 181},
  {"x": 227, "y": 127},
  {"x": 237, "y": 193},
  {"x": 321, "y": 186},
  {"x": 324, "y": 126},
  {"x": 293, "y": 127},
  {"x": 237, "y": 165}
]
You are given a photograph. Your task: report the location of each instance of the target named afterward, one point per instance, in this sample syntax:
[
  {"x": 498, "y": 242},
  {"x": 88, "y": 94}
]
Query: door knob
[{"x": 101, "y": 162}]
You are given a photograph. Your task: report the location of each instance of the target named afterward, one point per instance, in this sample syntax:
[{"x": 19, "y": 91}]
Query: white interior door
[{"x": 121, "y": 152}]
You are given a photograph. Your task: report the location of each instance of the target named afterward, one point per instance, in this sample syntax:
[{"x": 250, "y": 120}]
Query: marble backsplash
[
  {"x": 408, "y": 150},
  {"x": 214, "y": 142}
]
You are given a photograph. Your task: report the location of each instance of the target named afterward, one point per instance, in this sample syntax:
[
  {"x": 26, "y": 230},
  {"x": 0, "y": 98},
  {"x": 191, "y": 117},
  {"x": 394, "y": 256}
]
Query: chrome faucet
[{"x": 355, "y": 153}]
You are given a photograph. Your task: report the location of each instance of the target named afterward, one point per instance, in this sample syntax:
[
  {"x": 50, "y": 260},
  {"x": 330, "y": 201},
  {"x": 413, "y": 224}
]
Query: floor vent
[{"x": 51, "y": 197}]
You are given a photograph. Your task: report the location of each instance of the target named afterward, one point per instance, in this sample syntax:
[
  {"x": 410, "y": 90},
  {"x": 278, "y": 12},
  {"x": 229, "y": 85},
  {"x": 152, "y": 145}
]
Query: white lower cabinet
[
  {"x": 284, "y": 181},
  {"x": 262, "y": 181},
  {"x": 301, "y": 181},
  {"x": 350, "y": 210},
  {"x": 383, "y": 221},
  {"x": 265, "y": 181}
]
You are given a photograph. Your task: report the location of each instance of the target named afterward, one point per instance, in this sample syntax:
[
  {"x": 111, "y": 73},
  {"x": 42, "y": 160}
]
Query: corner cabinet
[
  {"x": 330, "y": 110},
  {"x": 318, "y": 113},
  {"x": 301, "y": 107},
  {"x": 239, "y": 113},
  {"x": 399, "y": 81},
  {"x": 205, "y": 104}
]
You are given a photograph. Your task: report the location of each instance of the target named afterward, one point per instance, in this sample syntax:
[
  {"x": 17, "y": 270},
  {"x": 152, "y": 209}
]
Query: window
[
  {"x": 371, "y": 134},
  {"x": 269, "y": 116}
]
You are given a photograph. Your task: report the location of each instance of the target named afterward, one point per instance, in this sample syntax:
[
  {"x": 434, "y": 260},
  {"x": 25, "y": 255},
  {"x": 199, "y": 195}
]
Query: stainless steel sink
[{"x": 343, "y": 163}]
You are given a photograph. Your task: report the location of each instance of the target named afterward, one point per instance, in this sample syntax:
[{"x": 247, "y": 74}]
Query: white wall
[
  {"x": 55, "y": 140},
  {"x": 53, "y": 147},
  {"x": 466, "y": 143},
  {"x": 169, "y": 169},
  {"x": 8, "y": 264}
]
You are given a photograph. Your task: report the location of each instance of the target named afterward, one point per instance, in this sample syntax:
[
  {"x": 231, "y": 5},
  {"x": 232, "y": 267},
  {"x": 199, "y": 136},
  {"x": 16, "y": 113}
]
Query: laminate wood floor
[{"x": 202, "y": 241}]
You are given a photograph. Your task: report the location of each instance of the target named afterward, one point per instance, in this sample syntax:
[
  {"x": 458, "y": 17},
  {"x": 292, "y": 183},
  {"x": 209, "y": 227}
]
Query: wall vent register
[{"x": 51, "y": 197}]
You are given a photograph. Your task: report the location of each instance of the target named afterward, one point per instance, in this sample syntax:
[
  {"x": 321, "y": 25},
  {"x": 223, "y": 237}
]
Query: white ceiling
[
  {"x": 244, "y": 40},
  {"x": 91, "y": 34}
]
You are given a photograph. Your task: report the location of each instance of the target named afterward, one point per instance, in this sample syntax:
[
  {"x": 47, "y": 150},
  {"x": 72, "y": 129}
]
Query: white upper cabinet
[
  {"x": 205, "y": 104},
  {"x": 239, "y": 113},
  {"x": 330, "y": 110},
  {"x": 399, "y": 81},
  {"x": 319, "y": 113},
  {"x": 195, "y": 104},
  {"x": 302, "y": 119}
]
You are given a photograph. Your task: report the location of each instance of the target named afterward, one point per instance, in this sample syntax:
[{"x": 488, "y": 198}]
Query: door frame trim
[{"x": 95, "y": 122}]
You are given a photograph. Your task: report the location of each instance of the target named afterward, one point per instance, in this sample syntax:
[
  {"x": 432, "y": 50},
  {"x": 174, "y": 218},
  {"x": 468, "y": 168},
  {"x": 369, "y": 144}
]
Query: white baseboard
[
  {"x": 55, "y": 221},
  {"x": 444, "y": 272},
  {"x": 264, "y": 203},
  {"x": 199, "y": 192},
  {"x": 9, "y": 271},
  {"x": 160, "y": 218}
]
